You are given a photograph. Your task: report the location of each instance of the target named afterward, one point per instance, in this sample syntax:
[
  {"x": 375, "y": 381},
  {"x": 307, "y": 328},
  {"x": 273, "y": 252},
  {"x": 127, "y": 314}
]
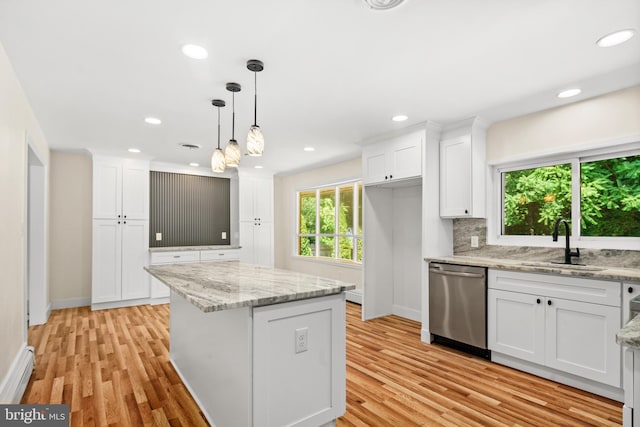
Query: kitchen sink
[{"x": 552, "y": 264}]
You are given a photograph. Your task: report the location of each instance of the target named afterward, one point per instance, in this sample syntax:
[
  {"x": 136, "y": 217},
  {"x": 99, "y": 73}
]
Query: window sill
[{"x": 329, "y": 261}]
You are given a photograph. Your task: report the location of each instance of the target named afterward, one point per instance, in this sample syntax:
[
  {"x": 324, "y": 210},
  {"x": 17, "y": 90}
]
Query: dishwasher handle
[{"x": 457, "y": 273}]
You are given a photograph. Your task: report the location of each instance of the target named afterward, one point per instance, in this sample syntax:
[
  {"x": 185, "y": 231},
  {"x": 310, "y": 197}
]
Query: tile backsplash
[{"x": 463, "y": 229}]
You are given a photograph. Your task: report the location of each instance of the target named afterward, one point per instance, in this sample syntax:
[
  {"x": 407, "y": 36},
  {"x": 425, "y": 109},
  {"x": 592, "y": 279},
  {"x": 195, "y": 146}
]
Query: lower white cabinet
[
  {"x": 256, "y": 239},
  {"x": 120, "y": 251},
  {"x": 530, "y": 317}
]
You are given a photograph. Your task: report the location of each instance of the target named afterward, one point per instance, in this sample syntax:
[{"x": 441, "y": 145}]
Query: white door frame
[{"x": 36, "y": 292}]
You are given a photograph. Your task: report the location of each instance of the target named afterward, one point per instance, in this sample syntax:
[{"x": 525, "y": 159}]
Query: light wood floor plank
[{"x": 112, "y": 367}]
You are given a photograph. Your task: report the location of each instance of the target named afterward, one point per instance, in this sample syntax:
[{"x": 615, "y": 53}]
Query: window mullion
[
  {"x": 336, "y": 230},
  {"x": 317, "y": 239},
  {"x": 356, "y": 209},
  {"x": 575, "y": 198}
]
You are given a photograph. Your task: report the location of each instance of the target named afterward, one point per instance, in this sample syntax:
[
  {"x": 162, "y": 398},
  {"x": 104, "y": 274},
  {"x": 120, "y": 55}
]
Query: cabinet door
[
  {"x": 263, "y": 198},
  {"x": 135, "y": 252},
  {"x": 135, "y": 190},
  {"x": 159, "y": 289},
  {"x": 246, "y": 241},
  {"x": 406, "y": 157},
  {"x": 107, "y": 261},
  {"x": 107, "y": 189},
  {"x": 629, "y": 292},
  {"x": 515, "y": 325},
  {"x": 455, "y": 177},
  {"x": 263, "y": 244},
  {"x": 580, "y": 340},
  {"x": 374, "y": 165},
  {"x": 246, "y": 190}
]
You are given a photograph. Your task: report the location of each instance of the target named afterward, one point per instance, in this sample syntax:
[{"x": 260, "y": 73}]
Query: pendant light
[
  {"x": 217, "y": 159},
  {"x": 255, "y": 140},
  {"x": 232, "y": 150}
]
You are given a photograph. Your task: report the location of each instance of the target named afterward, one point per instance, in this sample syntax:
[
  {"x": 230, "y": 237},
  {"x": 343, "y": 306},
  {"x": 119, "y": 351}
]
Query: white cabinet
[
  {"x": 565, "y": 323},
  {"x": 463, "y": 171},
  {"x": 119, "y": 255},
  {"x": 256, "y": 219},
  {"x": 629, "y": 291},
  {"x": 394, "y": 160},
  {"x": 120, "y": 188},
  {"x": 120, "y": 231}
]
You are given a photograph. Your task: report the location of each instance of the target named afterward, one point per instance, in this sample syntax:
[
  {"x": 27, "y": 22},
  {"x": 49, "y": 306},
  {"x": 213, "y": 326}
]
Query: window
[
  {"x": 330, "y": 222},
  {"x": 599, "y": 196}
]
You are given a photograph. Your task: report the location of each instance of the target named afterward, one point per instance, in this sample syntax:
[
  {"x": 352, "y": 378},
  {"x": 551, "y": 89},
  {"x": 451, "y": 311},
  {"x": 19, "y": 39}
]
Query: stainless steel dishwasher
[{"x": 458, "y": 305}]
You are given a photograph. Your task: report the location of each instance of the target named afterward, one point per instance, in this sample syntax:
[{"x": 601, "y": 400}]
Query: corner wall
[
  {"x": 285, "y": 188},
  {"x": 70, "y": 229},
  {"x": 17, "y": 123}
]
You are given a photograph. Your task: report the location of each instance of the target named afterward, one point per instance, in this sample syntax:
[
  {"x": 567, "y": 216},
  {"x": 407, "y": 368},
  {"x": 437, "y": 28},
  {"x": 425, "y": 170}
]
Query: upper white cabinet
[
  {"x": 463, "y": 170},
  {"x": 393, "y": 160},
  {"x": 256, "y": 218},
  {"x": 120, "y": 188}
]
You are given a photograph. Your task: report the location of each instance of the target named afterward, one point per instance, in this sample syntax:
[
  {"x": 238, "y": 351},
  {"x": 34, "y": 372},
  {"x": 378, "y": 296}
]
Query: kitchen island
[{"x": 258, "y": 346}]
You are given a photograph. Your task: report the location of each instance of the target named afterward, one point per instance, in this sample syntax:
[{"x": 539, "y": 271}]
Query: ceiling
[{"x": 335, "y": 70}]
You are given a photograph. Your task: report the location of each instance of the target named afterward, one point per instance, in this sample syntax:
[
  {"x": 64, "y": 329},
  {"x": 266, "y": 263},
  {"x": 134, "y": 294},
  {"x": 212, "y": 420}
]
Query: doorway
[{"x": 37, "y": 308}]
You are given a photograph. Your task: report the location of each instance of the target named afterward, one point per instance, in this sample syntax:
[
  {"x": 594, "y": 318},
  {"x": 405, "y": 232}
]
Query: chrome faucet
[{"x": 567, "y": 250}]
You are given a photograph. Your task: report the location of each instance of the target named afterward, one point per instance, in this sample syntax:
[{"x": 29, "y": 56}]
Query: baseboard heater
[{"x": 17, "y": 379}]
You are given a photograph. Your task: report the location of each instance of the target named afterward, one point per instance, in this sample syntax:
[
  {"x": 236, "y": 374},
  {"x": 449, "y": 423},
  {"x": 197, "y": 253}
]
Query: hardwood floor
[{"x": 112, "y": 367}]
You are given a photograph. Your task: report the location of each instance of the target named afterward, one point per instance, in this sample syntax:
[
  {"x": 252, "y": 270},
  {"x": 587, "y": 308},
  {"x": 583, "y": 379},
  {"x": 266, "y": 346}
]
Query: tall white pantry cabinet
[
  {"x": 256, "y": 218},
  {"x": 120, "y": 231}
]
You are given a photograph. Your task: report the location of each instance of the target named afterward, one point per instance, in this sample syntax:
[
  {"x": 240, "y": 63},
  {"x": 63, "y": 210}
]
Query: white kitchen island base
[{"x": 247, "y": 366}]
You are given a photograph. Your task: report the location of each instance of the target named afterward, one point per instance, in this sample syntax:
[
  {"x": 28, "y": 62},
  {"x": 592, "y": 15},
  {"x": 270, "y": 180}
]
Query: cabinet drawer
[
  {"x": 565, "y": 287},
  {"x": 219, "y": 255},
  {"x": 174, "y": 257}
]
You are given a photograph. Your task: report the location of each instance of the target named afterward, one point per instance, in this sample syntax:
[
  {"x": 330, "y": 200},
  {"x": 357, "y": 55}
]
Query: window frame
[
  {"x": 356, "y": 186},
  {"x": 495, "y": 212}
]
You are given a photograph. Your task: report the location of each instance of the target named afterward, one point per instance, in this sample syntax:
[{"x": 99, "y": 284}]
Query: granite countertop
[
  {"x": 194, "y": 248},
  {"x": 593, "y": 272},
  {"x": 629, "y": 335},
  {"x": 215, "y": 286}
]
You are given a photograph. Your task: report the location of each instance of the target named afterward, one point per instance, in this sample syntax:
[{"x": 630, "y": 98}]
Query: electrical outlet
[
  {"x": 301, "y": 339},
  {"x": 474, "y": 242},
  {"x": 224, "y": 235},
  {"x": 158, "y": 236}
]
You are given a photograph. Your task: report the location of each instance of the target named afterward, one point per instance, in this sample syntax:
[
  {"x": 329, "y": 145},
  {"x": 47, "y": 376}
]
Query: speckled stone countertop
[
  {"x": 215, "y": 286},
  {"x": 193, "y": 248},
  {"x": 629, "y": 335},
  {"x": 593, "y": 272}
]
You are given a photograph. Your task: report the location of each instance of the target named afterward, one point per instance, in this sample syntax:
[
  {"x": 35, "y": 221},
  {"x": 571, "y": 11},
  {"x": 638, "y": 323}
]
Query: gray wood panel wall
[{"x": 189, "y": 210}]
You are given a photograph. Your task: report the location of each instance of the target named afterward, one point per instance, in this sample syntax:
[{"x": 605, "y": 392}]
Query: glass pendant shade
[
  {"x": 217, "y": 161},
  {"x": 232, "y": 154},
  {"x": 255, "y": 141}
]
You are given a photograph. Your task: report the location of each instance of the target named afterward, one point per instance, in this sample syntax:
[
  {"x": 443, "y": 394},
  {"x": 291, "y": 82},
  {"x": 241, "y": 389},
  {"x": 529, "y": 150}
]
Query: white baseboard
[
  {"x": 406, "y": 312},
  {"x": 15, "y": 382},
  {"x": 354, "y": 296},
  {"x": 70, "y": 303}
]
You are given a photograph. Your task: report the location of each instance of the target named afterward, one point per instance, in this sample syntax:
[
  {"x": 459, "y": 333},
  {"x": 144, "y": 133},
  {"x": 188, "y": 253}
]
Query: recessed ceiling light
[
  {"x": 309, "y": 149},
  {"x": 399, "y": 118},
  {"x": 194, "y": 164},
  {"x": 194, "y": 51},
  {"x": 615, "y": 38},
  {"x": 133, "y": 150},
  {"x": 569, "y": 93},
  {"x": 152, "y": 120},
  {"x": 257, "y": 167}
]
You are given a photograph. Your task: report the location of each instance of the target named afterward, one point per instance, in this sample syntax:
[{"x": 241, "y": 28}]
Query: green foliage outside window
[{"x": 609, "y": 198}]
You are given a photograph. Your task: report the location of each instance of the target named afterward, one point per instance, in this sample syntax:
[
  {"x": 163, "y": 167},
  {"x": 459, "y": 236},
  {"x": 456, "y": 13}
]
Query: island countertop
[{"x": 215, "y": 286}]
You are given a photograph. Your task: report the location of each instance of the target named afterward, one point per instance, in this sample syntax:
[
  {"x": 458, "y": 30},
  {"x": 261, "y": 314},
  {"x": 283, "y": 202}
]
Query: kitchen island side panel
[{"x": 212, "y": 353}]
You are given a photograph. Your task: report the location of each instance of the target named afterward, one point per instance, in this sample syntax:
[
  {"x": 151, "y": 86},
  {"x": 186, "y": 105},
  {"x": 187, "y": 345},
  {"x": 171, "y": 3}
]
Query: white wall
[
  {"x": 285, "y": 188},
  {"x": 17, "y": 121},
  {"x": 609, "y": 117},
  {"x": 70, "y": 214}
]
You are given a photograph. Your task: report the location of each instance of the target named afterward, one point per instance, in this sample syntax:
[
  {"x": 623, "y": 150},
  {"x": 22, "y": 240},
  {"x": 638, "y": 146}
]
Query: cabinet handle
[
  {"x": 390, "y": 176},
  {"x": 548, "y": 302},
  {"x": 118, "y": 222},
  {"x": 630, "y": 289},
  {"x": 176, "y": 256},
  {"x": 118, "y": 216},
  {"x": 124, "y": 222},
  {"x": 386, "y": 177},
  {"x": 125, "y": 216},
  {"x": 538, "y": 301},
  {"x": 466, "y": 211}
]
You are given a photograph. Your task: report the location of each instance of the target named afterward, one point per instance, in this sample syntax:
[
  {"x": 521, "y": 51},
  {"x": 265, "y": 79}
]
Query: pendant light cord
[
  {"x": 255, "y": 98},
  {"x": 218, "y": 128},
  {"x": 233, "y": 116}
]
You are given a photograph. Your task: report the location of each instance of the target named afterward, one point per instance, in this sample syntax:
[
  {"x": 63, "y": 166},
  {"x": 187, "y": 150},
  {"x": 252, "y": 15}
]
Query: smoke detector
[{"x": 383, "y": 4}]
